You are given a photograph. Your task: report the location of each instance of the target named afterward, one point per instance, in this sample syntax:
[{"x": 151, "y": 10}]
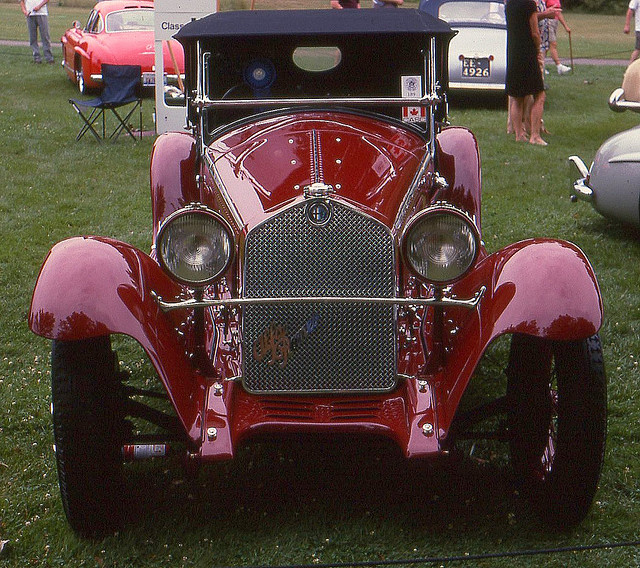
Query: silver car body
[
  {"x": 612, "y": 183},
  {"x": 478, "y": 53}
]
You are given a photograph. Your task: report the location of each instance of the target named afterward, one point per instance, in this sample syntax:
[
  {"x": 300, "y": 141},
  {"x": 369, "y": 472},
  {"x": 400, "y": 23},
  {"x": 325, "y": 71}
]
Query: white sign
[{"x": 170, "y": 16}]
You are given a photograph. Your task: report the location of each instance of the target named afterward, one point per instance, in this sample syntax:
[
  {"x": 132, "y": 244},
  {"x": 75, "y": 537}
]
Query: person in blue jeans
[{"x": 38, "y": 19}]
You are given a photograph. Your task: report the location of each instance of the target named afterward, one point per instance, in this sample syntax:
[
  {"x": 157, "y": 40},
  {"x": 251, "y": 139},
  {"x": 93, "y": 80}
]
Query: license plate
[
  {"x": 148, "y": 79},
  {"x": 476, "y": 67}
]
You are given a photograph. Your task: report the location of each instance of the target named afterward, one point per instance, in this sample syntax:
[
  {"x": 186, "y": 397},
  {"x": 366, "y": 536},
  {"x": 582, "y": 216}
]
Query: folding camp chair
[{"x": 121, "y": 88}]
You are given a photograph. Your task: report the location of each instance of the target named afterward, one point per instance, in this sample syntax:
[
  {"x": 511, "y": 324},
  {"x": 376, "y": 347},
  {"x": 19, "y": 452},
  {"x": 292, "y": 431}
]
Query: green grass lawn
[
  {"x": 595, "y": 37},
  {"x": 299, "y": 504}
]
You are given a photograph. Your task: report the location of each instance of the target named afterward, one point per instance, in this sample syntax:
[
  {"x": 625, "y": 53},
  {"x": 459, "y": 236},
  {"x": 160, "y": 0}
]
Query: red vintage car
[
  {"x": 117, "y": 32},
  {"x": 317, "y": 266}
]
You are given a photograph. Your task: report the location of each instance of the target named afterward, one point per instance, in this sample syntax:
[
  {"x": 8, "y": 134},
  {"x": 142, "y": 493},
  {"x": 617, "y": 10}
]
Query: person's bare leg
[
  {"x": 517, "y": 109},
  {"x": 553, "y": 51},
  {"x": 526, "y": 114},
  {"x": 536, "y": 118}
]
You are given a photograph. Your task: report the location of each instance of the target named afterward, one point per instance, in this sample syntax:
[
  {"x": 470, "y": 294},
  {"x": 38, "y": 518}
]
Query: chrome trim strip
[
  {"x": 470, "y": 303},
  {"x": 427, "y": 100},
  {"x": 317, "y": 173},
  {"x": 629, "y": 157}
]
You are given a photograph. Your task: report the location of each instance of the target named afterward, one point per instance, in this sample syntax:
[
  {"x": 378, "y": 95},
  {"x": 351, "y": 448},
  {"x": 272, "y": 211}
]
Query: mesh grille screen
[{"x": 319, "y": 347}]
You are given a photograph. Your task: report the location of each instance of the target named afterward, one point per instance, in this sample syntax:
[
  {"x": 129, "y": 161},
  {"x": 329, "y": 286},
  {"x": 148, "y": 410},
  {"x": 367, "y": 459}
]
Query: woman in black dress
[{"x": 524, "y": 76}]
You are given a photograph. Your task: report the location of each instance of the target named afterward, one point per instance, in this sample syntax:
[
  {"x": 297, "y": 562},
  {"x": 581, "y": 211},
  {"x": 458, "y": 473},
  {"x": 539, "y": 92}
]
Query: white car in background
[
  {"x": 612, "y": 183},
  {"x": 478, "y": 53}
]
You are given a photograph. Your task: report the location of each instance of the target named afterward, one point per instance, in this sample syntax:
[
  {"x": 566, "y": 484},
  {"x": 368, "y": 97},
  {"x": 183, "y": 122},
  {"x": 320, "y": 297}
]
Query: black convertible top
[
  {"x": 294, "y": 23},
  {"x": 375, "y": 51}
]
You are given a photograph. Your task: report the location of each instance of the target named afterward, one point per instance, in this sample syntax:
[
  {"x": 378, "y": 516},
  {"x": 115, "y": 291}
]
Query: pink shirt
[{"x": 553, "y": 4}]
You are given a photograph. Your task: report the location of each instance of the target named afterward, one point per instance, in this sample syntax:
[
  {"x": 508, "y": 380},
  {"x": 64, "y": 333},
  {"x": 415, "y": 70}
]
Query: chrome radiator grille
[{"x": 319, "y": 347}]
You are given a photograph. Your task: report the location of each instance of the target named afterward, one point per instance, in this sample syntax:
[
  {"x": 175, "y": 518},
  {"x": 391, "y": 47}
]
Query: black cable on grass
[{"x": 460, "y": 558}]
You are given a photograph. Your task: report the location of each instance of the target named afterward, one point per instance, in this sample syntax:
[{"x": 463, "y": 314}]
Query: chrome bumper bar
[
  {"x": 580, "y": 190},
  {"x": 172, "y": 78},
  {"x": 617, "y": 102},
  {"x": 470, "y": 303}
]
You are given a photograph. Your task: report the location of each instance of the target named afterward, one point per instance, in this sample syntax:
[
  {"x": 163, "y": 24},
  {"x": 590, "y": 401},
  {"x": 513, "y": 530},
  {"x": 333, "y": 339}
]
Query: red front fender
[
  {"x": 92, "y": 286},
  {"x": 173, "y": 175},
  {"x": 540, "y": 287}
]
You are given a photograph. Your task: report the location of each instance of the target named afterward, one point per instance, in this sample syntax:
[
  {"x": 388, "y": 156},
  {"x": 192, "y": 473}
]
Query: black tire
[
  {"x": 557, "y": 424},
  {"x": 89, "y": 427}
]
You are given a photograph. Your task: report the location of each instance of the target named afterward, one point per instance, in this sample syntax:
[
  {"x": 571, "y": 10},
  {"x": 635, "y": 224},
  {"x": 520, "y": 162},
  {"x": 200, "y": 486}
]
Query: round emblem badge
[{"x": 319, "y": 213}]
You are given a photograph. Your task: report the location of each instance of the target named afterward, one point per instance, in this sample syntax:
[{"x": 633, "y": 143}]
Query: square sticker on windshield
[
  {"x": 411, "y": 86},
  {"x": 412, "y": 89}
]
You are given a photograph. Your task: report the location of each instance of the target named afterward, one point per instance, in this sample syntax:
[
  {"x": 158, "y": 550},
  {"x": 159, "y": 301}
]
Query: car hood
[{"x": 265, "y": 165}]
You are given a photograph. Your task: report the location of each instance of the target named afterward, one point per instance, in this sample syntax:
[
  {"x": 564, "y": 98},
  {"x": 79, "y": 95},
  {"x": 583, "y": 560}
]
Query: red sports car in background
[{"x": 121, "y": 33}]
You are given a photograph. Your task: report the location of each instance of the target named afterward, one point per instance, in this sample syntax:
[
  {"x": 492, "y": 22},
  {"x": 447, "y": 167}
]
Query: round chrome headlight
[
  {"x": 194, "y": 245},
  {"x": 441, "y": 244}
]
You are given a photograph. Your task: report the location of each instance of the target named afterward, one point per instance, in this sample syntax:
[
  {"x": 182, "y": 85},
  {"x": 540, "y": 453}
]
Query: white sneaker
[{"x": 563, "y": 69}]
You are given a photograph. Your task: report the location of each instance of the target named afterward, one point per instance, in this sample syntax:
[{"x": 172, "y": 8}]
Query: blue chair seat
[{"x": 122, "y": 87}]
